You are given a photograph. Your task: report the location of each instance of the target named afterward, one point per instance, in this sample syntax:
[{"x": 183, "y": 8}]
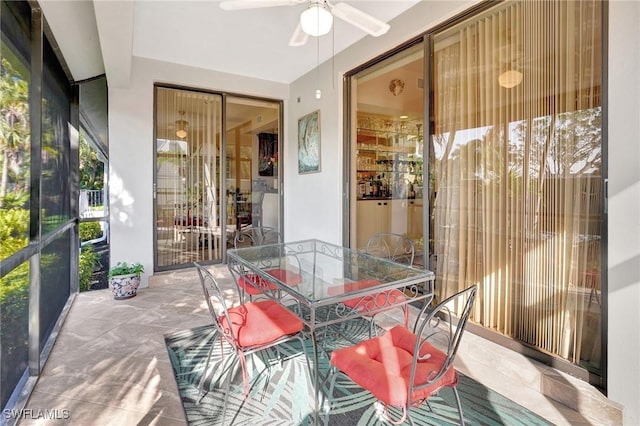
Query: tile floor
[{"x": 109, "y": 365}]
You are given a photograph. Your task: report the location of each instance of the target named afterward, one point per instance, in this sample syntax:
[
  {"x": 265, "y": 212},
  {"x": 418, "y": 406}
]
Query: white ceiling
[{"x": 251, "y": 43}]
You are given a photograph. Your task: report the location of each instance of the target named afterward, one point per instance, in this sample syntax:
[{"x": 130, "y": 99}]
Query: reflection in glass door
[
  {"x": 252, "y": 179},
  {"x": 387, "y": 156},
  {"x": 188, "y": 178}
]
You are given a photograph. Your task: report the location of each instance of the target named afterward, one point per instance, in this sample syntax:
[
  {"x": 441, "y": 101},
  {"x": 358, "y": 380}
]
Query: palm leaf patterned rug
[{"x": 281, "y": 391}]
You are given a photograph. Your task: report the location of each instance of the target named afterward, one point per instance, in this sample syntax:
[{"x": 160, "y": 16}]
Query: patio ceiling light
[{"x": 316, "y": 20}]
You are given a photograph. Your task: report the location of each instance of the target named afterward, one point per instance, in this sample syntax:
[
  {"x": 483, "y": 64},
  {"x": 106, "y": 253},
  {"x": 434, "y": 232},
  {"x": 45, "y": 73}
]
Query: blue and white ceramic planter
[{"x": 124, "y": 286}]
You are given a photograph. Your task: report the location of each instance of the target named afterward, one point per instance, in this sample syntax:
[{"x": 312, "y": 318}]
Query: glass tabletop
[{"x": 328, "y": 273}]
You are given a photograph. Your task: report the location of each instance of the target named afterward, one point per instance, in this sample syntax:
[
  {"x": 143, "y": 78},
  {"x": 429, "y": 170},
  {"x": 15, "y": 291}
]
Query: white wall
[
  {"x": 131, "y": 148},
  {"x": 624, "y": 208}
]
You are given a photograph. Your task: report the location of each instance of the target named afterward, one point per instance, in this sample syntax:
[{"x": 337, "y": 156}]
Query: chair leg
[
  {"x": 327, "y": 404},
  {"x": 245, "y": 374},
  {"x": 372, "y": 327},
  {"x": 455, "y": 391},
  {"x": 306, "y": 356},
  {"x": 227, "y": 388},
  {"x": 206, "y": 368},
  {"x": 405, "y": 311}
]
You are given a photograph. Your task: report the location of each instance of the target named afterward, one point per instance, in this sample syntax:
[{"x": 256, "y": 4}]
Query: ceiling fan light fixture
[
  {"x": 316, "y": 20},
  {"x": 510, "y": 78}
]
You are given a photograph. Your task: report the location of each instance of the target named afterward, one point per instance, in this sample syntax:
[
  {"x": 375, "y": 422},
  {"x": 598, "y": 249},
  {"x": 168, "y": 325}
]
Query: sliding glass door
[
  {"x": 517, "y": 139},
  {"x": 386, "y": 152},
  {"x": 216, "y": 172},
  {"x": 252, "y": 176},
  {"x": 507, "y": 188},
  {"x": 187, "y": 186}
]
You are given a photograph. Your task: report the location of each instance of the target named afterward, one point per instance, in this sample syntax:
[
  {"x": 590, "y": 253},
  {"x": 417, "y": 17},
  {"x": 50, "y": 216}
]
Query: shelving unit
[
  {"x": 388, "y": 169},
  {"x": 391, "y": 157}
]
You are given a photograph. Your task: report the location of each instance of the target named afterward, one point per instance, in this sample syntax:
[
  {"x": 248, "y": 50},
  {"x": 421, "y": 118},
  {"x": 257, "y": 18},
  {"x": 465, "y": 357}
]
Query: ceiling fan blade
[
  {"x": 358, "y": 18},
  {"x": 255, "y": 4},
  {"x": 299, "y": 37}
]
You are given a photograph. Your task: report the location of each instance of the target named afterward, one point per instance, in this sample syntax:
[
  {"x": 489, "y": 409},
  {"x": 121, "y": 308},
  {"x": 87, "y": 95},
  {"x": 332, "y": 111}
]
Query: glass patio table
[{"x": 315, "y": 278}]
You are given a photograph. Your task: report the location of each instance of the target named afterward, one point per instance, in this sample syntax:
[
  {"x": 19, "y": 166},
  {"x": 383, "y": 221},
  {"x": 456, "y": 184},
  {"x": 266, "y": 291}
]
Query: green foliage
[
  {"x": 91, "y": 169},
  {"x": 124, "y": 268},
  {"x": 14, "y": 287},
  {"x": 15, "y": 200},
  {"x": 14, "y": 231},
  {"x": 90, "y": 231},
  {"x": 14, "y": 131},
  {"x": 88, "y": 262},
  {"x": 14, "y": 313}
]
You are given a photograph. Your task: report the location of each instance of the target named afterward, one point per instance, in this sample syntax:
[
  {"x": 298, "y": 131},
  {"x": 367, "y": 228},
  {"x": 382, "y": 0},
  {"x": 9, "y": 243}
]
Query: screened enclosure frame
[{"x": 52, "y": 247}]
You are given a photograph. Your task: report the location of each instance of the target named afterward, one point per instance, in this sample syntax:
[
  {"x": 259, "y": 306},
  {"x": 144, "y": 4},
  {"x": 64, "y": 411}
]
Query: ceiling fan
[{"x": 317, "y": 19}]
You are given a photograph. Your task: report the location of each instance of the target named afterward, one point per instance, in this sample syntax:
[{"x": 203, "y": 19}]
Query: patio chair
[
  {"x": 253, "y": 284},
  {"x": 247, "y": 328},
  {"x": 397, "y": 248},
  {"x": 256, "y": 236},
  {"x": 403, "y": 368},
  {"x": 391, "y": 246},
  {"x": 257, "y": 199}
]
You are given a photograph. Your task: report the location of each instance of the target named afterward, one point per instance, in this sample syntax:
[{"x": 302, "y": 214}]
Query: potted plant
[{"x": 124, "y": 279}]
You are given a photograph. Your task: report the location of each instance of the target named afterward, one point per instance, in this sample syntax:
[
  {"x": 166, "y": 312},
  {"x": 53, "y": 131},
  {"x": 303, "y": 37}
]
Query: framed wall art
[
  {"x": 268, "y": 153},
  {"x": 309, "y": 143}
]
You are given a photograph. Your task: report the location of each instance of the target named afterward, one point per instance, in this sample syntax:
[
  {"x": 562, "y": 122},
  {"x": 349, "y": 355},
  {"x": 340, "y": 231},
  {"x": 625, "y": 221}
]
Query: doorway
[
  {"x": 387, "y": 149},
  {"x": 216, "y": 172}
]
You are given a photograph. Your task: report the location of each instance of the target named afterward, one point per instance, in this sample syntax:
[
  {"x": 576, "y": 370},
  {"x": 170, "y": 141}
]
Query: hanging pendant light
[
  {"x": 510, "y": 78},
  {"x": 181, "y": 126},
  {"x": 316, "y": 20}
]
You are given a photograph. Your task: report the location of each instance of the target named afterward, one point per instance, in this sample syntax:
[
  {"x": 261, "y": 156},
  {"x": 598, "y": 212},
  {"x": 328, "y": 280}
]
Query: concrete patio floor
[{"x": 109, "y": 365}]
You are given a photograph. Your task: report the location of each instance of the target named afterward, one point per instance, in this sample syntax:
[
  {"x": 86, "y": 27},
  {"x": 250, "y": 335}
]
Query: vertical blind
[
  {"x": 517, "y": 172},
  {"x": 188, "y": 176}
]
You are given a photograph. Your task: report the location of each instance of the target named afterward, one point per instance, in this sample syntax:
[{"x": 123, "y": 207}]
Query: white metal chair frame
[
  {"x": 392, "y": 246},
  {"x": 217, "y": 304},
  {"x": 397, "y": 248},
  {"x": 256, "y": 236},
  {"x": 259, "y": 236},
  {"x": 431, "y": 324}
]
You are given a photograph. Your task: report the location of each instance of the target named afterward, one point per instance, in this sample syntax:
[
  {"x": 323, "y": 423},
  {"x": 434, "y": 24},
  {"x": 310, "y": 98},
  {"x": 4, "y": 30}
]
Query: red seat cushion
[
  {"x": 382, "y": 365},
  {"x": 260, "y": 323},
  {"x": 288, "y": 277},
  {"x": 254, "y": 284},
  {"x": 352, "y": 286}
]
